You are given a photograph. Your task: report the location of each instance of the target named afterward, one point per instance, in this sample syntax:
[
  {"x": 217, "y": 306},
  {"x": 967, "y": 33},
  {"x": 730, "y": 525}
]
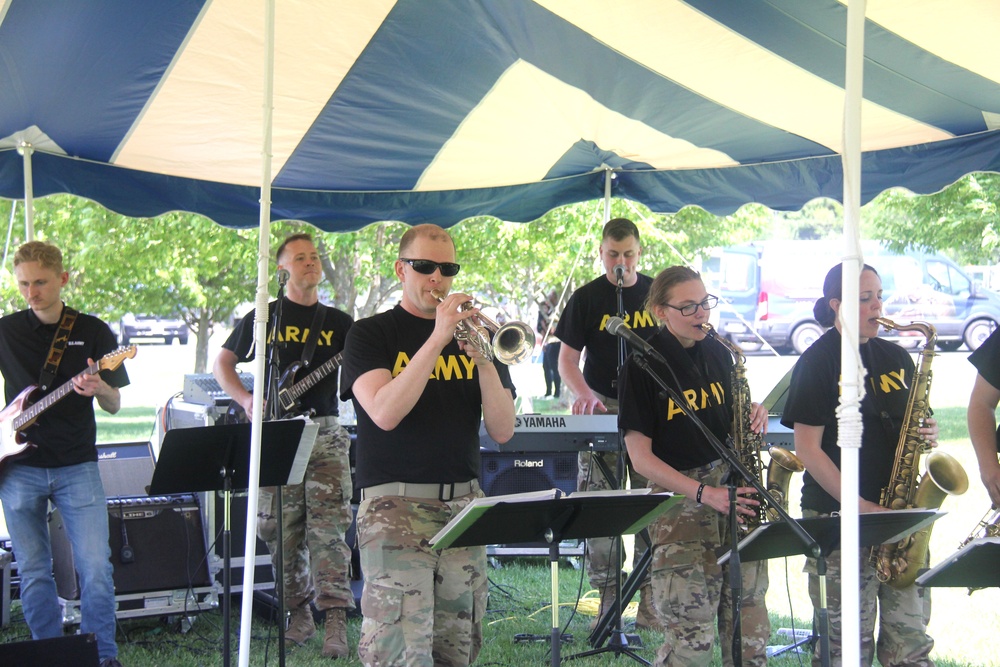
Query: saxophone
[
  {"x": 748, "y": 443},
  {"x": 988, "y": 526},
  {"x": 898, "y": 564}
]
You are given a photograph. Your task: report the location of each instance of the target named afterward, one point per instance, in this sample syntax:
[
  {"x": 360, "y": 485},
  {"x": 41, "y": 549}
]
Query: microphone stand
[
  {"x": 271, "y": 413},
  {"x": 618, "y": 641},
  {"x": 736, "y": 468}
]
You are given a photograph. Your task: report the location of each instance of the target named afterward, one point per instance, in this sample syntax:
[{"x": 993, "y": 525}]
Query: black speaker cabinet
[
  {"x": 512, "y": 472},
  {"x": 76, "y": 650},
  {"x": 157, "y": 544},
  {"x": 126, "y": 467},
  {"x": 504, "y": 473}
]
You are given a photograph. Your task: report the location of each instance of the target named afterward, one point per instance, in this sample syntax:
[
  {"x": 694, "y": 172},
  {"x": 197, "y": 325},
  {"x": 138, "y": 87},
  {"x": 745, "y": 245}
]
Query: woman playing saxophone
[
  {"x": 689, "y": 590},
  {"x": 901, "y": 614}
]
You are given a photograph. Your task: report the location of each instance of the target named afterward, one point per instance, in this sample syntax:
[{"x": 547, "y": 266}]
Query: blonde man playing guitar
[{"x": 48, "y": 450}]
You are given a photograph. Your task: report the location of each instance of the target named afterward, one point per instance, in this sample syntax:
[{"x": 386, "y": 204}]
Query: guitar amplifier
[{"x": 157, "y": 544}]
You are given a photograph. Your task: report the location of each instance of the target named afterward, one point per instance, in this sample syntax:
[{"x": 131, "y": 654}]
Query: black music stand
[
  {"x": 553, "y": 517},
  {"x": 973, "y": 566},
  {"x": 777, "y": 540},
  {"x": 214, "y": 458}
]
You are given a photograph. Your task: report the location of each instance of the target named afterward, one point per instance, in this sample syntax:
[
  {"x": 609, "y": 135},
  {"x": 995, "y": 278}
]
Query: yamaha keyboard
[
  {"x": 557, "y": 433},
  {"x": 585, "y": 433}
]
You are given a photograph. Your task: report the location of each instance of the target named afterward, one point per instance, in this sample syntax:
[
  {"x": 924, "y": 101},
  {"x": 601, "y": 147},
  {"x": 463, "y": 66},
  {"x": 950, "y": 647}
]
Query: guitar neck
[
  {"x": 310, "y": 381},
  {"x": 50, "y": 399}
]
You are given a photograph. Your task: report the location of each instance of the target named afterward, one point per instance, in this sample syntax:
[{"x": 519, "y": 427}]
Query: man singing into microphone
[
  {"x": 317, "y": 513},
  {"x": 583, "y": 326}
]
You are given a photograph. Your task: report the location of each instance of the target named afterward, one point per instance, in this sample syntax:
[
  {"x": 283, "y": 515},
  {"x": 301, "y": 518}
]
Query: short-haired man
[
  {"x": 419, "y": 397},
  {"x": 582, "y": 327},
  {"x": 317, "y": 513},
  {"x": 62, "y": 468}
]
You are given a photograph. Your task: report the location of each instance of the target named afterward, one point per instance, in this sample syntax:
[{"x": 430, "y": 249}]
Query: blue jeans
[{"x": 78, "y": 493}]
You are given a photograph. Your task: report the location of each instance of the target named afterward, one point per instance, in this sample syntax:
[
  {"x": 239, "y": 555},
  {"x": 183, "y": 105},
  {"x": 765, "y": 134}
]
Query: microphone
[
  {"x": 616, "y": 326},
  {"x": 619, "y": 273},
  {"x": 283, "y": 276}
]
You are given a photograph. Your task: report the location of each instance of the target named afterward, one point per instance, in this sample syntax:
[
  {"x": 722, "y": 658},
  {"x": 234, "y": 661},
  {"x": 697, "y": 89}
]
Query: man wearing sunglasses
[
  {"x": 317, "y": 513},
  {"x": 580, "y": 328},
  {"x": 419, "y": 395}
]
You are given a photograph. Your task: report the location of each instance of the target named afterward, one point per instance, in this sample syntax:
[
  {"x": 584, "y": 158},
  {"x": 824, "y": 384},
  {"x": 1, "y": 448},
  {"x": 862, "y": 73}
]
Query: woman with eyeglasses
[{"x": 690, "y": 592}]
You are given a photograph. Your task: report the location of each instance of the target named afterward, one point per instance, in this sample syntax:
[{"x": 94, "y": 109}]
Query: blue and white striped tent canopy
[{"x": 437, "y": 110}]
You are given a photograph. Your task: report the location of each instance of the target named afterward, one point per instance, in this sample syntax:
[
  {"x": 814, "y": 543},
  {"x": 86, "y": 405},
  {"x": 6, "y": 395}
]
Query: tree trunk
[{"x": 203, "y": 335}]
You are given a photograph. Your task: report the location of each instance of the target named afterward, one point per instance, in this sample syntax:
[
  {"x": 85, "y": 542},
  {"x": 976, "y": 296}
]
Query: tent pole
[
  {"x": 260, "y": 334},
  {"x": 852, "y": 373},
  {"x": 26, "y": 149}
]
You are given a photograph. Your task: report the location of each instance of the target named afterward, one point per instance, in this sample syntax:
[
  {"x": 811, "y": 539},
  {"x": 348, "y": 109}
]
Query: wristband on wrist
[{"x": 697, "y": 497}]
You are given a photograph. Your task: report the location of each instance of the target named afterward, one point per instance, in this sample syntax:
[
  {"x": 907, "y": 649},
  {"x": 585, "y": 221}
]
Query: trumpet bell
[{"x": 513, "y": 343}]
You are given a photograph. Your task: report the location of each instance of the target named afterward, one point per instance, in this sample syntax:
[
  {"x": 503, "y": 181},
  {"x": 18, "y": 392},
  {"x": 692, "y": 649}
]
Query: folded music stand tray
[
  {"x": 217, "y": 458},
  {"x": 776, "y": 540},
  {"x": 972, "y": 566},
  {"x": 526, "y": 518}
]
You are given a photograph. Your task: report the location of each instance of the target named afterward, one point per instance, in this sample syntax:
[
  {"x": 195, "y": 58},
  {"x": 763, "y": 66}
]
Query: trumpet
[{"x": 509, "y": 344}]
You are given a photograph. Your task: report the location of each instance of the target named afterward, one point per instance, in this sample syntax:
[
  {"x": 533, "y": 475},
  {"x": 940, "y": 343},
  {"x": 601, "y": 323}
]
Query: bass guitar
[
  {"x": 23, "y": 411},
  {"x": 288, "y": 396}
]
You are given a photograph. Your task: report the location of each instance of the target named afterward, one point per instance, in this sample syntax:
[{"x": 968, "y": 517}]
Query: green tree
[
  {"x": 177, "y": 264},
  {"x": 961, "y": 220},
  {"x": 187, "y": 265}
]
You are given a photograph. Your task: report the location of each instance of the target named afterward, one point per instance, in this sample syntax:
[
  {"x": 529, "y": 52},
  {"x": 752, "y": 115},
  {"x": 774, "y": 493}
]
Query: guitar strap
[
  {"x": 310, "y": 347},
  {"x": 59, "y": 341}
]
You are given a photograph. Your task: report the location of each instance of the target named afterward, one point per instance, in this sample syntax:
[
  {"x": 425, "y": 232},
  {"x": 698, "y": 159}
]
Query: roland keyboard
[{"x": 557, "y": 433}]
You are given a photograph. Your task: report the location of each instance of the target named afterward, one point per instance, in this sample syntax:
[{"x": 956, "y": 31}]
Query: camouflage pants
[
  {"x": 902, "y": 615},
  {"x": 421, "y": 606},
  {"x": 589, "y": 477},
  {"x": 691, "y": 592},
  {"x": 316, "y": 514}
]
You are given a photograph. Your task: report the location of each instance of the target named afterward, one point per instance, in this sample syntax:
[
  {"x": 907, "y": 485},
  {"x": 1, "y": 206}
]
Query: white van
[{"x": 769, "y": 288}]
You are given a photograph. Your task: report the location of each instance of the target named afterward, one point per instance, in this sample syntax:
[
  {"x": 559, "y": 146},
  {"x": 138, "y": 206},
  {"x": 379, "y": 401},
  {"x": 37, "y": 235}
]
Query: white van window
[{"x": 944, "y": 278}]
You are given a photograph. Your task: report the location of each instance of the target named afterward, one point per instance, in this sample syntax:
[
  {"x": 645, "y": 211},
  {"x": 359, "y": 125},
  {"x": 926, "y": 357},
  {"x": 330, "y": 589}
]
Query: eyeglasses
[
  {"x": 690, "y": 309},
  {"x": 427, "y": 267}
]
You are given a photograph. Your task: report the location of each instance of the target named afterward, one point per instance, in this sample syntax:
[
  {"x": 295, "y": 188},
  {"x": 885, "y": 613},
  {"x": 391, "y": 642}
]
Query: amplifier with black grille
[
  {"x": 503, "y": 473},
  {"x": 158, "y": 551}
]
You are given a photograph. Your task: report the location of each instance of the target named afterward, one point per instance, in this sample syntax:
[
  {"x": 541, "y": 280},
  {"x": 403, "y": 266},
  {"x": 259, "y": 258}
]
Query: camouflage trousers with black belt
[
  {"x": 690, "y": 588},
  {"x": 422, "y": 606},
  {"x": 590, "y": 477},
  {"x": 902, "y": 615},
  {"x": 316, "y": 515}
]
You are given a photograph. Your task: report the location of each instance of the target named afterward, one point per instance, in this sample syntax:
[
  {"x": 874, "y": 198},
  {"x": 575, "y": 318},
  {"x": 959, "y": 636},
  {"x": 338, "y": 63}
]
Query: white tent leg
[
  {"x": 849, "y": 420},
  {"x": 260, "y": 332}
]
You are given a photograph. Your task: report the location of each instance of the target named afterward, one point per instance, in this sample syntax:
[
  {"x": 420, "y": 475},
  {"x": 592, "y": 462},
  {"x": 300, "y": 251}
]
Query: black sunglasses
[{"x": 427, "y": 267}]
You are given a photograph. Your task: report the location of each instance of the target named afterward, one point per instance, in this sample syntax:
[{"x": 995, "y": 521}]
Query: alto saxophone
[
  {"x": 898, "y": 564},
  {"x": 988, "y": 526},
  {"x": 748, "y": 443}
]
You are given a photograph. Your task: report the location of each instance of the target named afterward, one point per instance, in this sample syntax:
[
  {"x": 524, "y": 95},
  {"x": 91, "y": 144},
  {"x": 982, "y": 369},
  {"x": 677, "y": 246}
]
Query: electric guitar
[
  {"x": 22, "y": 411},
  {"x": 288, "y": 397}
]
